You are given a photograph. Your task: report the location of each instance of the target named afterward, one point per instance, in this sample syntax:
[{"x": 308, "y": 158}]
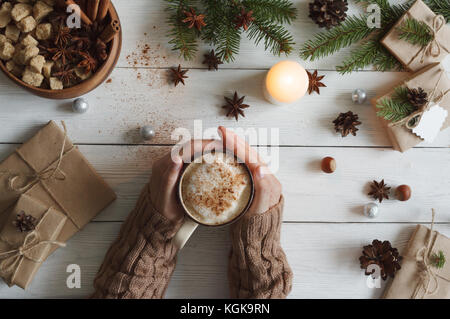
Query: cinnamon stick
[
  {"x": 103, "y": 9},
  {"x": 83, "y": 15},
  {"x": 110, "y": 31},
  {"x": 92, "y": 9}
]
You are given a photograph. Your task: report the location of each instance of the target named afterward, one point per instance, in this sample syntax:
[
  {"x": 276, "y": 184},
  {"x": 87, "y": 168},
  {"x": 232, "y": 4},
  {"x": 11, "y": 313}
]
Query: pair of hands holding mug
[{"x": 165, "y": 173}]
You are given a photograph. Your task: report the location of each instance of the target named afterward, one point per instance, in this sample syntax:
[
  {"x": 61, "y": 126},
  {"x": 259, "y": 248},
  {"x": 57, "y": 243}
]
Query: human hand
[
  {"x": 165, "y": 174},
  {"x": 267, "y": 186}
]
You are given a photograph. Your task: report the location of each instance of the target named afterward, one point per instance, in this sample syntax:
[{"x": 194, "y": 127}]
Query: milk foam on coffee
[{"x": 217, "y": 190}]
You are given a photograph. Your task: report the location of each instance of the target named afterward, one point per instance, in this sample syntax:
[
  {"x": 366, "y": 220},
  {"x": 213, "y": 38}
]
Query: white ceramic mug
[{"x": 190, "y": 224}]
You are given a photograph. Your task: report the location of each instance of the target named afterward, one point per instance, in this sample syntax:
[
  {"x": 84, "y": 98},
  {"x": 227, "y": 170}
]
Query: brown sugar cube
[
  {"x": 6, "y": 51},
  {"x": 26, "y": 54},
  {"x": 29, "y": 40},
  {"x": 15, "y": 69},
  {"x": 27, "y": 24},
  {"x": 37, "y": 63},
  {"x": 5, "y": 14},
  {"x": 44, "y": 31},
  {"x": 3, "y": 39},
  {"x": 56, "y": 84},
  {"x": 20, "y": 11},
  {"x": 41, "y": 10},
  {"x": 32, "y": 78},
  {"x": 12, "y": 32},
  {"x": 47, "y": 69}
]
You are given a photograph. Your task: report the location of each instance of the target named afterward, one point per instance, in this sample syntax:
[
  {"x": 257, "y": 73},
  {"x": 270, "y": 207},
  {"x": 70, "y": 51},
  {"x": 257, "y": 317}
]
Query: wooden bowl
[{"x": 86, "y": 86}]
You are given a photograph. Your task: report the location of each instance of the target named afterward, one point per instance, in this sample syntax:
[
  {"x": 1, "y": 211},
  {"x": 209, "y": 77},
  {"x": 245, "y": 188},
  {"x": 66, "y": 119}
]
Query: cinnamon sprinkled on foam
[{"x": 217, "y": 191}]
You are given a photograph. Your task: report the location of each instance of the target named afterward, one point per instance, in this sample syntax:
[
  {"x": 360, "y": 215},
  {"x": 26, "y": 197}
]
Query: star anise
[
  {"x": 24, "y": 222},
  {"x": 235, "y": 106},
  {"x": 244, "y": 19},
  {"x": 88, "y": 63},
  {"x": 61, "y": 52},
  {"x": 314, "y": 82},
  {"x": 346, "y": 123},
  {"x": 194, "y": 20},
  {"x": 82, "y": 43},
  {"x": 212, "y": 60},
  {"x": 379, "y": 190},
  {"x": 178, "y": 75},
  {"x": 66, "y": 74},
  {"x": 383, "y": 255},
  {"x": 62, "y": 36}
]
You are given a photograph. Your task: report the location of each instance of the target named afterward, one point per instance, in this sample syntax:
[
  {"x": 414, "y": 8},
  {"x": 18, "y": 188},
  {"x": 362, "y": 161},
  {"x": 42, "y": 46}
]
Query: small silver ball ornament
[
  {"x": 147, "y": 132},
  {"x": 371, "y": 210},
  {"x": 359, "y": 96},
  {"x": 80, "y": 105}
]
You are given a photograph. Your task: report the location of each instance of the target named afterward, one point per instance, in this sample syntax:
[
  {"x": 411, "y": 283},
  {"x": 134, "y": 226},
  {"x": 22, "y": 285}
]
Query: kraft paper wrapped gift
[
  {"x": 428, "y": 78},
  {"x": 415, "y": 57},
  {"x": 418, "y": 278},
  {"x": 22, "y": 253},
  {"x": 50, "y": 169}
]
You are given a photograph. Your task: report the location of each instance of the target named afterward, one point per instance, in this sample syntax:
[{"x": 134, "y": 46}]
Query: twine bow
[
  {"x": 12, "y": 258},
  {"x": 44, "y": 175},
  {"x": 434, "y": 47},
  {"x": 412, "y": 120},
  {"x": 426, "y": 271}
]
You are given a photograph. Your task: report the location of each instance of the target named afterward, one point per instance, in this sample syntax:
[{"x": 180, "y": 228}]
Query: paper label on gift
[{"x": 431, "y": 123}]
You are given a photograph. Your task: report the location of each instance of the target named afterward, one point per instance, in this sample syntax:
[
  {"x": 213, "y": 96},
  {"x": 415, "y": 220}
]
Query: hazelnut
[
  {"x": 328, "y": 165},
  {"x": 403, "y": 193}
]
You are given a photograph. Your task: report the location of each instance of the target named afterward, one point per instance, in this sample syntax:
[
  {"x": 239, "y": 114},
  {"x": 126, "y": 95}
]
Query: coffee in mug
[{"x": 216, "y": 189}]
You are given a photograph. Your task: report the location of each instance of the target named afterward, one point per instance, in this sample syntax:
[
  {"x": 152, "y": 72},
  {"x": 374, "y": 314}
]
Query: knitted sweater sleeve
[
  {"x": 258, "y": 267},
  {"x": 140, "y": 262}
]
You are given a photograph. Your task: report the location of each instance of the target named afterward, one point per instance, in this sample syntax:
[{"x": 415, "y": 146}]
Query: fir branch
[
  {"x": 276, "y": 38},
  {"x": 397, "y": 107},
  {"x": 438, "y": 259},
  {"x": 415, "y": 32},
  {"x": 441, "y": 7},
  {"x": 220, "y": 30},
  {"x": 182, "y": 38},
  {"x": 278, "y": 11},
  {"x": 370, "y": 52},
  {"x": 328, "y": 42}
]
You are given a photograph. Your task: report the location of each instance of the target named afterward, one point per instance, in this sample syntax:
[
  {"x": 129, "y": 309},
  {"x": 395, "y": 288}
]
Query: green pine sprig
[
  {"x": 397, "y": 107},
  {"x": 438, "y": 259},
  {"x": 415, "y": 32},
  {"x": 441, "y": 7},
  {"x": 221, "y": 31},
  {"x": 355, "y": 30},
  {"x": 181, "y": 37}
]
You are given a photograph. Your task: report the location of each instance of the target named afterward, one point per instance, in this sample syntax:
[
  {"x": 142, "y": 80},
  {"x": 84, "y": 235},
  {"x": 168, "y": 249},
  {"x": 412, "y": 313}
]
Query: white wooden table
[{"x": 324, "y": 228}]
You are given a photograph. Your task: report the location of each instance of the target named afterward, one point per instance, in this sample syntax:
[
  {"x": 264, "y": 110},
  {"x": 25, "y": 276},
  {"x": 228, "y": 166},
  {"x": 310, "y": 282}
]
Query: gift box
[
  {"x": 415, "y": 57},
  {"x": 51, "y": 170},
  {"x": 432, "y": 79},
  {"x": 419, "y": 278},
  {"x": 22, "y": 252}
]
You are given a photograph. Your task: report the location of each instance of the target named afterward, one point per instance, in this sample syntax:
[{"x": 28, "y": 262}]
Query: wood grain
[{"x": 324, "y": 259}]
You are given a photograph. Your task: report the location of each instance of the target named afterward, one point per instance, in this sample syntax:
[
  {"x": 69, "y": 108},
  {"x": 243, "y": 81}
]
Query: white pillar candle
[{"x": 285, "y": 83}]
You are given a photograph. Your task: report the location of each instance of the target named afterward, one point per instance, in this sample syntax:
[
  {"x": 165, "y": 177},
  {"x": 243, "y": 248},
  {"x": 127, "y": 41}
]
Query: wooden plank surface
[
  {"x": 324, "y": 228},
  {"x": 324, "y": 259}
]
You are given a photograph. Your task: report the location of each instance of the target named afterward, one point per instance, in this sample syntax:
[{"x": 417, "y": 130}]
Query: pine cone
[
  {"x": 346, "y": 123},
  {"x": 328, "y": 13},
  {"x": 417, "y": 97},
  {"x": 25, "y": 222},
  {"x": 383, "y": 255}
]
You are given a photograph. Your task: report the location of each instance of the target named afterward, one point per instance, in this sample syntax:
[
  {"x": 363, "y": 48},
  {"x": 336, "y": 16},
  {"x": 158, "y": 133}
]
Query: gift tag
[{"x": 431, "y": 123}]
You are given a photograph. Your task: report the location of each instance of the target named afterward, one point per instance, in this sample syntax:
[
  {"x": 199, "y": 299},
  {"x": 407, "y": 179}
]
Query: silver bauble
[
  {"x": 371, "y": 210},
  {"x": 147, "y": 132},
  {"x": 359, "y": 96},
  {"x": 80, "y": 105}
]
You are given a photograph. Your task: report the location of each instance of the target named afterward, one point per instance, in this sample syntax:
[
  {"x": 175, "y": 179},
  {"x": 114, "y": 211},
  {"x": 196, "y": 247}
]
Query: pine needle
[
  {"x": 415, "y": 32},
  {"x": 396, "y": 107}
]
